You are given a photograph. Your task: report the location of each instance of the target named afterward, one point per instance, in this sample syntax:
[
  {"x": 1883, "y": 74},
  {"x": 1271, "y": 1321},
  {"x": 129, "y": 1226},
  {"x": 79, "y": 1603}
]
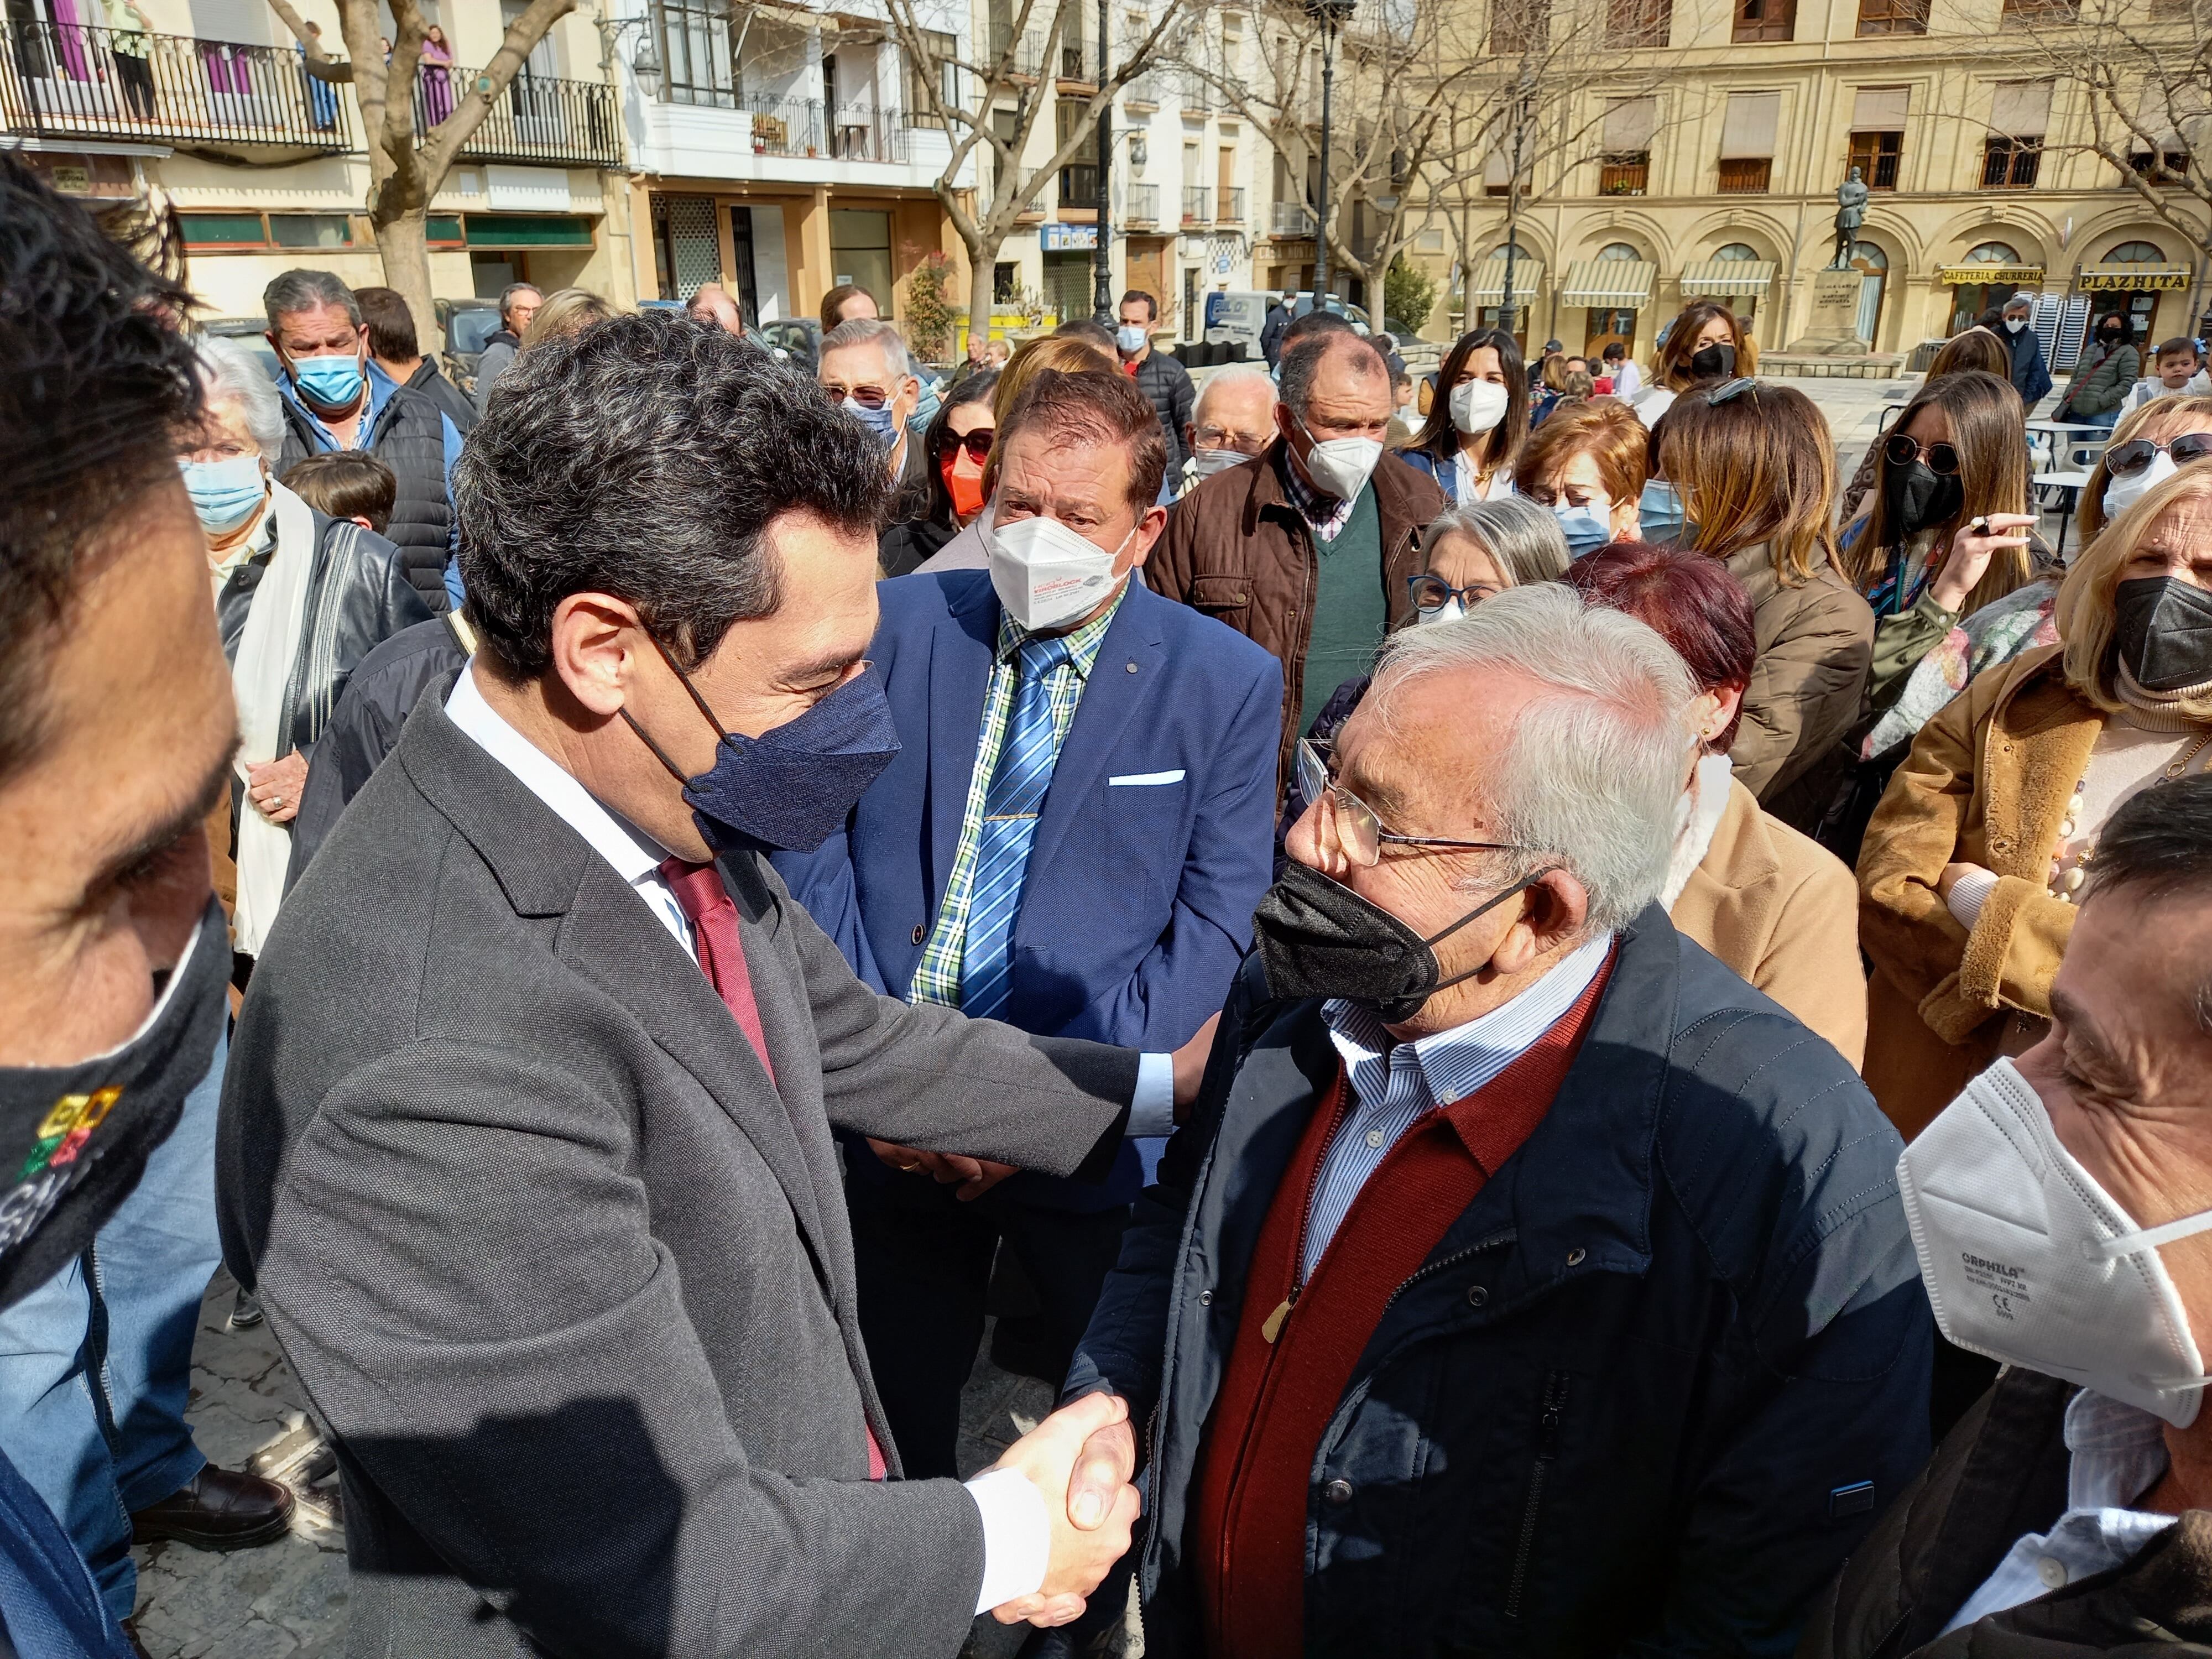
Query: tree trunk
[
  {"x": 403, "y": 245},
  {"x": 982, "y": 281}
]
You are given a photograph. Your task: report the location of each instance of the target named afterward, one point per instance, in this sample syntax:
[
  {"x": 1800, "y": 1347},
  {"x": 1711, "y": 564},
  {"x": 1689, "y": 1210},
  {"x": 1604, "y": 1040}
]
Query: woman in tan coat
[
  {"x": 1971, "y": 861},
  {"x": 1771, "y": 903},
  {"x": 1754, "y": 467}
]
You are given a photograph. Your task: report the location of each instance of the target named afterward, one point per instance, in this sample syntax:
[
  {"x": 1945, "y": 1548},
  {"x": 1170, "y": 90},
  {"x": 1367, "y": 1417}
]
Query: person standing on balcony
[
  {"x": 128, "y": 45},
  {"x": 335, "y": 398},
  {"x": 1159, "y": 377},
  {"x": 437, "y": 76},
  {"x": 322, "y": 95}
]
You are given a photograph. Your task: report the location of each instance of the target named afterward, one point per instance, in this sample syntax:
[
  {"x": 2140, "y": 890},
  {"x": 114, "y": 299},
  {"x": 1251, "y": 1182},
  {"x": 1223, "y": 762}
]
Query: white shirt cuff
[
  {"x": 1017, "y": 1536},
  {"x": 1966, "y": 895},
  {"x": 1152, "y": 1108}
]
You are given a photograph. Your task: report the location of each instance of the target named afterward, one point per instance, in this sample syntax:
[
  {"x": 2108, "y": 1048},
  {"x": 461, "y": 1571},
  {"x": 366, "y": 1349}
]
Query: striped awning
[
  {"x": 1975, "y": 275},
  {"x": 1728, "y": 279},
  {"x": 2127, "y": 276},
  {"x": 1606, "y": 283},
  {"x": 1490, "y": 281}
]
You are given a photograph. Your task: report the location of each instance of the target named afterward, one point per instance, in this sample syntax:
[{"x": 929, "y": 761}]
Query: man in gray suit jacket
[{"x": 547, "y": 1218}]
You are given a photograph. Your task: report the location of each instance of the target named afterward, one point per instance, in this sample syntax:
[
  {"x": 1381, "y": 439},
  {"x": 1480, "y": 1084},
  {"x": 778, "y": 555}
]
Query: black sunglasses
[
  {"x": 1729, "y": 389},
  {"x": 2125, "y": 460},
  {"x": 977, "y": 443},
  {"x": 1902, "y": 450}
]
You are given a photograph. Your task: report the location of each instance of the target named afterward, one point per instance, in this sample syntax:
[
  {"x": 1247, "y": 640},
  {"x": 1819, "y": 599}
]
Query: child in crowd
[
  {"x": 2177, "y": 368},
  {"x": 345, "y": 483}
]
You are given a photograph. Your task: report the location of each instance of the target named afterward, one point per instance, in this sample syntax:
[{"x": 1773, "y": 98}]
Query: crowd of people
[{"x": 1562, "y": 1037}]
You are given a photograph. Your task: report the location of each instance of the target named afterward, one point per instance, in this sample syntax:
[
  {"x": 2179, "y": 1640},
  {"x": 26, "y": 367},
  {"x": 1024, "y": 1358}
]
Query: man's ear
[
  {"x": 1553, "y": 908},
  {"x": 595, "y": 638}
]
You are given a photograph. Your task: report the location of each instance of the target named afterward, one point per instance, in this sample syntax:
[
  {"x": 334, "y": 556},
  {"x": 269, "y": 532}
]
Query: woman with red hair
[{"x": 1770, "y": 903}]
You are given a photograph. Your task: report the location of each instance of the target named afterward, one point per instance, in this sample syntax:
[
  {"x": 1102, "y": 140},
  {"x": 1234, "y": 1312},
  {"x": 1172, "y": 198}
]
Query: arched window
[
  {"x": 1737, "y": 250},
  {"x": 1865, "y": 256},
  {"x": 2136, "y": 253},
  {"x": 1520, "y": 250},
  {"x": 1617, "y": 251},
  {"x": 1993, "y": 253}
]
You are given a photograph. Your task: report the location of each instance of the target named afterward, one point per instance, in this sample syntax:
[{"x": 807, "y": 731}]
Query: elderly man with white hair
[
  {"x": 300, "y": 599},
  {"x": 1232, "y": 421},
  {"x": 1523, "y": 1281},
  {"x": 865, "y": 367}
]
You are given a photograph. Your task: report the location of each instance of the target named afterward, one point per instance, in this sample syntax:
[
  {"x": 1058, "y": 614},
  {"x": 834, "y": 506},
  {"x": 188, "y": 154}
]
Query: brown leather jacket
[
  {"x": 2000, "y": 1474},
  {"x": 1237, "y": 549}
]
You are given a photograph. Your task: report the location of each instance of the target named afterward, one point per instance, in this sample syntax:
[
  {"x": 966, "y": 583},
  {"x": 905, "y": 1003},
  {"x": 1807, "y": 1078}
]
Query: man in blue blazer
[{"x": 1071, "y": 839}]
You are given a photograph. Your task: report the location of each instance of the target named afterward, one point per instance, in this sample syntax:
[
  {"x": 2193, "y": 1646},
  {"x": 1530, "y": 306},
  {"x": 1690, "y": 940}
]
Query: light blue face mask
[
  {"x": 333, "y": 382},
  {"x": 1584, "y": 527},
  {"x": 883, "y": 422},
  {"x": 1131, "y": 338},
  {"x": 225, "y": 494},
  {"x": 1659, "y": 512}
]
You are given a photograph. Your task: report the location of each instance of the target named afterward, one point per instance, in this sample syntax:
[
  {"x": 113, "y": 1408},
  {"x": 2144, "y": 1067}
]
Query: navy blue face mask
[{"x": 794, "y": 785}]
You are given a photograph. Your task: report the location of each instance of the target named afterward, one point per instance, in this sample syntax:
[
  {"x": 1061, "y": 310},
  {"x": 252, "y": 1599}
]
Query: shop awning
[
  {"x": 1970, "y": 275},
  {"x": 1490, "y": 281},
  {"x": 1607, "y": 283},
  {"x": 1728, "y": 279},
  {"x": 2128, "y": 276}
]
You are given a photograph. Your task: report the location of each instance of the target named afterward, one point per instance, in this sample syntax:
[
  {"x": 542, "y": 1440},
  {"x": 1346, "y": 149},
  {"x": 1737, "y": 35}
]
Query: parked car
[
  {"x": 798, "y": 338},
  {"x": 251, "y": 332},
  {"x": 467, "y": 324}
]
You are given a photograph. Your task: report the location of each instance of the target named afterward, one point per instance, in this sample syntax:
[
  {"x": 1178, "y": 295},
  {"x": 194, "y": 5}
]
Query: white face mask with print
[
  {"x": 1478, "y": 405},
  {"x": 2029, "y": 1261},
  {"x": 1046, "y": 574}
]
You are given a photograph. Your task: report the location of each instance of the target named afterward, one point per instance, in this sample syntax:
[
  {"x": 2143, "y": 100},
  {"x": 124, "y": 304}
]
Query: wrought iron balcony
[
  {"x": 1197, "y": 205},
  {"x": 538, "y": 118},
  {"x": 805, "y": 127},
  {"x": 1144, "y": 207},
  {"x": 1290, "y": 219},
  {"x": 72, "y": 81},
  {"x": 1232, "y": 209}
]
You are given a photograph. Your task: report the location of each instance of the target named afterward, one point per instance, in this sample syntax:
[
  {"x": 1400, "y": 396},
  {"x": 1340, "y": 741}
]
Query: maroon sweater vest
[{"x": 1296, "y": 1345}]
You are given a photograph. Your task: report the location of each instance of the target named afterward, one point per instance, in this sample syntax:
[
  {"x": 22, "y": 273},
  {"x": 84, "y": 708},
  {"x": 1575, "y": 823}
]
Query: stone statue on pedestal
[{"x": 1851, "y": 213}]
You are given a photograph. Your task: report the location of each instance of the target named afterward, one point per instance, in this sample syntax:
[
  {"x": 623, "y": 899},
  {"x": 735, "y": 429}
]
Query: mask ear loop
[
  {"x": 658, "y": 753},
  {"x": 2109, "y": 1249},
  {"x": 1484, "y": 909}
]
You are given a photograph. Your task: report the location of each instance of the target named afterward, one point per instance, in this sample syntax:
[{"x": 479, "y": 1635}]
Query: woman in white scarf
[{"x": 300, "y": 599}]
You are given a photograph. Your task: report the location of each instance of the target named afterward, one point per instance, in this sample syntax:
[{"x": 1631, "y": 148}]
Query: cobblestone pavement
[{"x": 288, "y": 1599}]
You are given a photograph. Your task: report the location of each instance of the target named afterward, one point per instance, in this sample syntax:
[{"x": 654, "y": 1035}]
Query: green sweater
[{"x": 1350, "y": 614}]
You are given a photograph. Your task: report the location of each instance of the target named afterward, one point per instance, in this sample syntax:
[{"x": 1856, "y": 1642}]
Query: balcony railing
[
  {"x": 71, "y": 80},
  {"x": 804, "y": 127},
  {"x": 1746, "y": 176},
  {"x": 1027, "y": 55},
  {"x": 1290, "y": 219},
  {"x": 1078, "y": 185},
  {"x": 1078, "y": 61},
  {"x": 1623, "y": 175},
  {"x": 1231, "y": 210},
  {"x": 538, "y": 118},
  {"x": 1197, "y": 205},
  {"x": 1144, "y": 207},
  {"x": 1143, "y": 92}
]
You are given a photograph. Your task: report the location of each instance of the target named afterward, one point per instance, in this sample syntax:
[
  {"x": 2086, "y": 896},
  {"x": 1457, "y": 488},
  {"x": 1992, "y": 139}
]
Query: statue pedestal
[{"x": 1833, "y": 327}]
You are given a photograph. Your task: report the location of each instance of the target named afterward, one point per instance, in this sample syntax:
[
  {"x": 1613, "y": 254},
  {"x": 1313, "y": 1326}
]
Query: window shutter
[
  {"x": 1880, "y": 109},
  {"x": 1629, "y": 125},
  {"x": 2020, "y": 109},
  {"x": 1747, "y": 133}
]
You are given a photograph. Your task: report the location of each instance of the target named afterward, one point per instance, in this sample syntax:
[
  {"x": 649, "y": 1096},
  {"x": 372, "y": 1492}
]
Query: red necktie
[{"x": 706, "y": 904}]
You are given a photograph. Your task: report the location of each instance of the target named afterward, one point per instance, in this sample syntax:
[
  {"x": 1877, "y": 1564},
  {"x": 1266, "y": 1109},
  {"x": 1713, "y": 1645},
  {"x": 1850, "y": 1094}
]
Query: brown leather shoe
[{"x": 219, "y": 1511}]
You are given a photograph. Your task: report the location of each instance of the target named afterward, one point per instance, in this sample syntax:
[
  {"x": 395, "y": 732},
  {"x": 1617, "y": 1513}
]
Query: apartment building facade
[
  {"x": 211, "y": 106},
  {"x": 1719, "y": 177}
]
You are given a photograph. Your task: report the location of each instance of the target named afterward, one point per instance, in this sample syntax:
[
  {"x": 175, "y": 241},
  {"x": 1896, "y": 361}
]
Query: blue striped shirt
[{"x": 1393, "y": 1083}]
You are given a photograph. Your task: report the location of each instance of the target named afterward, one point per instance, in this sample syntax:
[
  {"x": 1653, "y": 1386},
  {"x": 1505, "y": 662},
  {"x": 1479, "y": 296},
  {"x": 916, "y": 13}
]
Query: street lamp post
[
  {"x": 1506, "y": 309},
  {"x": 1332, "y": 16},
  {"x": 1102, "y": 262}
]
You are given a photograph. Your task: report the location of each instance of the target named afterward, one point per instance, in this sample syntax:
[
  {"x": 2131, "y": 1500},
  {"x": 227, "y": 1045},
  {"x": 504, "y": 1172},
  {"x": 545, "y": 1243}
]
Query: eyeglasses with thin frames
[
  {"x": 1350, "y": 825},
  {"x": 1900, "y": 450}
]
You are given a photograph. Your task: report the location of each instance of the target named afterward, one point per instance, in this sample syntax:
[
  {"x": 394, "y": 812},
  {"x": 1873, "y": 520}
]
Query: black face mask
[
  {"x": 2163, "y": 628},
  {"x": 1921, "y": 497},
  {"x": 75, "y": 1138},
  {"x": 1319, "y": 939},
  {"x": 1713, "y": 362}
]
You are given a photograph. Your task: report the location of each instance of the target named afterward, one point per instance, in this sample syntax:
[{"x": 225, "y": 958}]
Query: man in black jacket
[
  {"x": 1545, "y": 1292},
  {"x": 335, "y": 398},
  {"x": 1159, "y": 377},
  {"x": 2031, "y": 375},
  {"x": 395, "y": 346}
]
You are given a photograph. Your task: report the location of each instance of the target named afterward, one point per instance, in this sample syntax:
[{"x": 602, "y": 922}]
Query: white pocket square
[{"x": 1137, "y": 779}]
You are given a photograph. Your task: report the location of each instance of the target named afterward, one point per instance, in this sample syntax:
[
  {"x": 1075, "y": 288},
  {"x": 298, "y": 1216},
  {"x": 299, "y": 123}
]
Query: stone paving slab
[{"x": 288, "y": 1599}]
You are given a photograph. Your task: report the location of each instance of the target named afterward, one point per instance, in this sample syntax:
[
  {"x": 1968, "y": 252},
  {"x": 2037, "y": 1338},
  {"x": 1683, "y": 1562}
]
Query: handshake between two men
[{"x": 1080, "y": 1460}]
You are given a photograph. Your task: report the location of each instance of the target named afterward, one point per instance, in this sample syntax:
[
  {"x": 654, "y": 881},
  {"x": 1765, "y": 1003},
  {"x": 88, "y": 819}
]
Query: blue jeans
[{"x": 95, "y": 1365}]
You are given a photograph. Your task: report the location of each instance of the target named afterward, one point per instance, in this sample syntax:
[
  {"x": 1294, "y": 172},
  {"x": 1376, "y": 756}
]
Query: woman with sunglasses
[
  {"x": 1749, "y": 468},
  {"x": 1770, "y": 903},
  {"x": 1472, "y": 552},
  {"x": 1970, "y": 348},
  {"x": 1979, "y": 849},
  {"x": 1948, "y": 531},
  {"x": 954, "y": 449},
  {"x": 1478, "y": 423}
]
